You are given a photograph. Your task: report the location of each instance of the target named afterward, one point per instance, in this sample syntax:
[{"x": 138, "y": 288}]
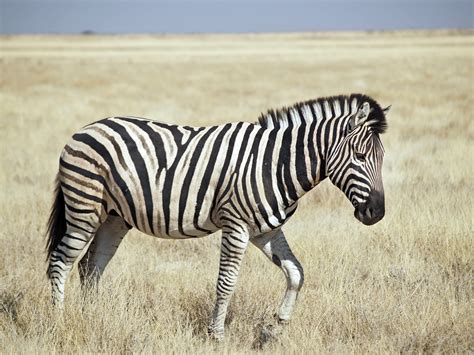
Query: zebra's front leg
[
  {"x": 234, "y": 244},
  {"x": 276, "y": 248}
]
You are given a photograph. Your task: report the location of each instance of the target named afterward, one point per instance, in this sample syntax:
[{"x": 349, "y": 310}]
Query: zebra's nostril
[{"x": 369, "y": 212}]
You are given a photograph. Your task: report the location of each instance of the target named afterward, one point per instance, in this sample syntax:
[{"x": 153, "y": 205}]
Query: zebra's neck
[{"x": 304, "y": 135}]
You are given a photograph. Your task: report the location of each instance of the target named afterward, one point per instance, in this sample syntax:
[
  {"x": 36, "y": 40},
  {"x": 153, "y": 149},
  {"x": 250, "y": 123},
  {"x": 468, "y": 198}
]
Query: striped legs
[
  {"x": 63, "y": 257},
  {"x": 276, "y": 248},
  {"x": 102, "y": 249},
  {"x": 234, "y": 244}
]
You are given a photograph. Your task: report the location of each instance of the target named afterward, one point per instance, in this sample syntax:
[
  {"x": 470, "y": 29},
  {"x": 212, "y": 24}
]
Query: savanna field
[{"x": 402, "y": 285}]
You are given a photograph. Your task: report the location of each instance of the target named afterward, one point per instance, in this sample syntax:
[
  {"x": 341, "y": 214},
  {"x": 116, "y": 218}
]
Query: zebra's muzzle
[{"x": 373, "y": 210}]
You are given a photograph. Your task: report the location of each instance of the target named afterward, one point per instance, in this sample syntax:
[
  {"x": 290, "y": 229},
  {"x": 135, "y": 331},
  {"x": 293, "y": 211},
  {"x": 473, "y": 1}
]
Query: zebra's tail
[{"x": 56, "y": 222}]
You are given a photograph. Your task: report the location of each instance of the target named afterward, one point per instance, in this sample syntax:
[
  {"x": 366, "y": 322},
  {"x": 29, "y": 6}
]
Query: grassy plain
[{"x": 403, "y": 285}]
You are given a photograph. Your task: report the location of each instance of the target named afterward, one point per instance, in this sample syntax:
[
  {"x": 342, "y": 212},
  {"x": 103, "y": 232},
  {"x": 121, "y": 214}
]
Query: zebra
[{"x": 181, "y": 182}]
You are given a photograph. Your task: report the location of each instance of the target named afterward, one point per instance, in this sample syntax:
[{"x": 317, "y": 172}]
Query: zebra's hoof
[
  {"x": 283, "y": 321},
  {"x": 280, "y": 321},
  {"x": 215, "y": 336}
]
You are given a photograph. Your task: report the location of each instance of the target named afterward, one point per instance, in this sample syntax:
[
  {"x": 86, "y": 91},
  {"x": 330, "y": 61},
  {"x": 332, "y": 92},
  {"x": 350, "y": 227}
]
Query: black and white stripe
[{"x": 184, "y": 182}]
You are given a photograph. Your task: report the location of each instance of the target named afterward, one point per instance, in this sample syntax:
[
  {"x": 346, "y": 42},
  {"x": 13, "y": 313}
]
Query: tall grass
[{"x": 403, "y": 285}]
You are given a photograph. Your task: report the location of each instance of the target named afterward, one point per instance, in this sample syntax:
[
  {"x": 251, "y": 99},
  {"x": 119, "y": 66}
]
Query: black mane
[{"x": 273, "y": 118}]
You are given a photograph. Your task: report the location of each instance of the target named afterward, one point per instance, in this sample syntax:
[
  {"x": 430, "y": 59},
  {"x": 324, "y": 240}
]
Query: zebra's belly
[
  {"x": 185, "y": 230},
  {"x": 174, "y": 220},
  {"x": 188, "y": 230}
]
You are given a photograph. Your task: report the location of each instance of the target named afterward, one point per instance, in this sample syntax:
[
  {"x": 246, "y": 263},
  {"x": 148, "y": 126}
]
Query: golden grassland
[{"x": 403, "y": 285}]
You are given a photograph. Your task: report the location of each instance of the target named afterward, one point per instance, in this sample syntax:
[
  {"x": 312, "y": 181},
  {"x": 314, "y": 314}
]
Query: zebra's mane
[{"x": 281, "y": 117}]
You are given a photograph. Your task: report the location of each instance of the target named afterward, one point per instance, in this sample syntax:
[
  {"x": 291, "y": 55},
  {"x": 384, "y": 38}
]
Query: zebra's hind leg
[
  {"x": 234, "y": 243},
  {"x": 102, "y": 249},
  {"x": 63, "y": 256},
  {"x": 276, "y": 248}
]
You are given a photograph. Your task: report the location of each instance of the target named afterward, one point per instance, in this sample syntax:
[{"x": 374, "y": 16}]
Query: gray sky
[{"x": 141, "y": 16}]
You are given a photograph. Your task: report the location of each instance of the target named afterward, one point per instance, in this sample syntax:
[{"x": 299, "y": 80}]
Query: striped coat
[{"x": 184, "y": 182}]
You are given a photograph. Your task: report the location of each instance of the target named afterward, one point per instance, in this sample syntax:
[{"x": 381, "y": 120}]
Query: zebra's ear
[
  {"x": 386, "y": 109},
  {"x": 359, "y": 117},
  {"x": 362, "y": 113}
]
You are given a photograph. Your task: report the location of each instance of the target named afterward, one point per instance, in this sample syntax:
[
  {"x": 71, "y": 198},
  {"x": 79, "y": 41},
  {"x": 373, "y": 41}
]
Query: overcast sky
[{"x": 141, "y": 16}]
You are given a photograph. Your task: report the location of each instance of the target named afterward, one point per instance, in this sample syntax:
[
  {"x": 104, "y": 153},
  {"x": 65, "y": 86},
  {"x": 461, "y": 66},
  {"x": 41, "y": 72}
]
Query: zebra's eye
[{"x": 360, "y": 156}]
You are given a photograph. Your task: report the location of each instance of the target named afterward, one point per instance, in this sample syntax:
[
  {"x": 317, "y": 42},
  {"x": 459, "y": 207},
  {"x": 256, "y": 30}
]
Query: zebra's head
[{"x": 355, "y": 163}]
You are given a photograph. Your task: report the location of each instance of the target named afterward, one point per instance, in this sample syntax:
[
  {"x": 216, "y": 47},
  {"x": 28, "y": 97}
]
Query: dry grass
[{"x": 403, "y": 285}]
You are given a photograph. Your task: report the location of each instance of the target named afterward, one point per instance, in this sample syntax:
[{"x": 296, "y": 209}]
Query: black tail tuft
[{"x": 57, "y": 221}]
